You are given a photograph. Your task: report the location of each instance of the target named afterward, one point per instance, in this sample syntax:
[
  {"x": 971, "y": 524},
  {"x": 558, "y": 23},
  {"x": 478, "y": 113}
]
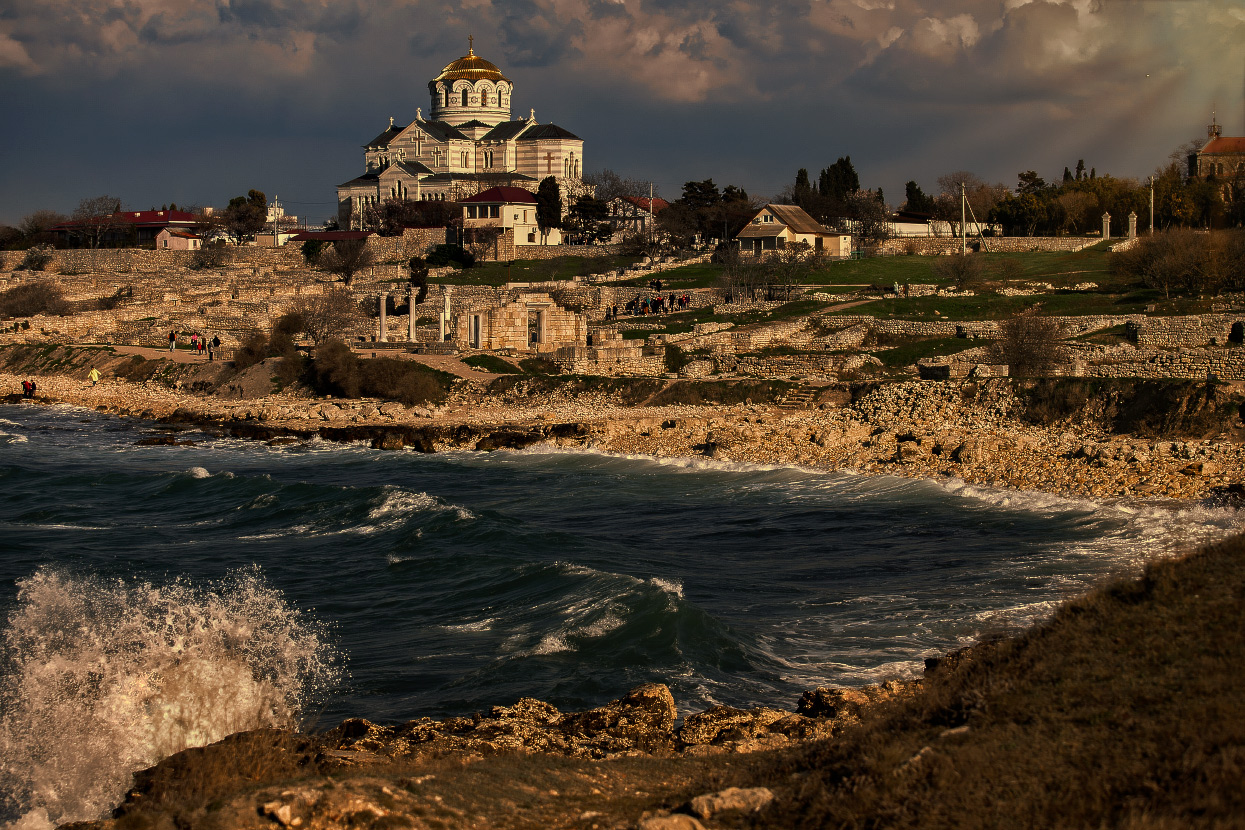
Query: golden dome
[{"x": 470, "y": 67}]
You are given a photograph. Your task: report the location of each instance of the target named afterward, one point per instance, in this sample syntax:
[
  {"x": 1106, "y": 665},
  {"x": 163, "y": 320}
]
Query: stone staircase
[{"x": 799, "y": 398}]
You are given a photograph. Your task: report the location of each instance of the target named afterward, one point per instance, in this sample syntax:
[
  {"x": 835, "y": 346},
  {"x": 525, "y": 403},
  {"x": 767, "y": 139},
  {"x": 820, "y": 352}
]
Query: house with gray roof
[{"x": 776, "y": 226}]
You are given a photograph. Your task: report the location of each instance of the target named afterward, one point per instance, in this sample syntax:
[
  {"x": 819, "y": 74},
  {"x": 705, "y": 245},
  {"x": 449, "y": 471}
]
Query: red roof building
[{"x": 127, "y": 227}]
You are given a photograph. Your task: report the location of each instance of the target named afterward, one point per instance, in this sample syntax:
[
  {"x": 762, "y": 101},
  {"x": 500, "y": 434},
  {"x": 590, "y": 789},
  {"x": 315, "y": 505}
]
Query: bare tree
[
  {"x": 96, "y": 218},
  {"x": 1031, "y": 345},
  {"x": 327, "y": 316},
  {"x": 37, "y": 227},
  {"x": 963, "y": 270},
  {"x": 347, "y": 258}
]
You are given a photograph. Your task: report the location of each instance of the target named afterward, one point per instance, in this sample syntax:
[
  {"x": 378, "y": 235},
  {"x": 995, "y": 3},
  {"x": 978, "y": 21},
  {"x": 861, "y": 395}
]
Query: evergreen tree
[
  {"x": 838, "y": 180},
  {"x": 548, "y": 206},
  {"x": 1067, "y": 175},
  {"x": 1080, "y": 169},
  {"x": 802, "y": 194},
  {"x": 915, "y": 199}
]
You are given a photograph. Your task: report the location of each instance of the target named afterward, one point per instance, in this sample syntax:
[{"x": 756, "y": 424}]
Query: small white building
[
  {"x": 172, "y": 239},
  {"x": 512, "y": 209},
  {"x": 777, "y": 226}
]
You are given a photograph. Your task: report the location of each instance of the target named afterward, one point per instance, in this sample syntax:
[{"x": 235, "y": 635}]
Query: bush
[
  {"x": 33, "y": 298},
  {"x": 455, "y": 255},
  {"x": 675, "y": 358},
  {"x": 961, "y": 269},
  {"x": 36, "y": 259},
  {"x": 1184, "y": 261},
  {"x": 491, "y": 363},
  {"x": 539, "y": 366},
  {"x": 336, "y": 370},
  {"x": 401, "y": 380},
  {"x": 211, "y": 255},
  {"x": 311, "y": 251},
  {"x": 1030, "y": 344}
]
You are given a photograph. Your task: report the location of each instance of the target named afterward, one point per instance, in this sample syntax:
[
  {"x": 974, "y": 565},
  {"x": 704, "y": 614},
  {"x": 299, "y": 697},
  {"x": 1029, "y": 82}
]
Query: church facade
[{"x": 468, "y": 143}]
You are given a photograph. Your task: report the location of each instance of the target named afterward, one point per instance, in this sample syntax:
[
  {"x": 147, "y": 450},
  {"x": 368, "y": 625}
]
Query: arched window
[
  {"x": 484, "y": 98},
  {"x": 464, "y": 98},
  {"x": 463, "y": 162}
]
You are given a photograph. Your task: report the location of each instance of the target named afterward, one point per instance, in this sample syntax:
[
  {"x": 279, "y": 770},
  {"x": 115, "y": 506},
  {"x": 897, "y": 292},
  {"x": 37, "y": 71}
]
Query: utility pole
[
  {"x": 1152, "y": 206},
  {"x": 963, "y": 223}
]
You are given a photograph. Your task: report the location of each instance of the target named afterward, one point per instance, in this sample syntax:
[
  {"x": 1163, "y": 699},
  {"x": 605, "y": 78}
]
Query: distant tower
[
  {"x": 471, "y": 89},
  {"x": 1212, "y": 129}
]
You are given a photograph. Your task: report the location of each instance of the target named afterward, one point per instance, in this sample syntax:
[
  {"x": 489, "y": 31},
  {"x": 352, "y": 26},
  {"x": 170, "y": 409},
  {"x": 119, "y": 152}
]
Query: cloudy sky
[{"x": 195, "y": 101}]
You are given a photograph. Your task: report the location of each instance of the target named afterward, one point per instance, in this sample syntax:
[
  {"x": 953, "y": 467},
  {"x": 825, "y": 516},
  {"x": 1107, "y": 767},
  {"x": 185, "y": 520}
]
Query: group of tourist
[
  {"x": 198, "y": 344},
  {"x": 657, "y": 304},
  {"x": 29, "y": 389}
]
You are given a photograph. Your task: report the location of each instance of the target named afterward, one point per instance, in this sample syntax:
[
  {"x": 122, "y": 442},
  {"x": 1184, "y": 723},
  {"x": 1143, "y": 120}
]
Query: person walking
[
  {"x": 172, "y": 340},
  {"x": 94, "y": 376}
]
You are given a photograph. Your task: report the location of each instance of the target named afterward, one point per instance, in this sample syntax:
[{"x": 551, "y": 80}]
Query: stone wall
[
  {"x": 1181, "y": 332},
  {"x": 941, "y": 245},
  {"x": 610, "y": 355},
  {"x": 1224, "y": 363}
]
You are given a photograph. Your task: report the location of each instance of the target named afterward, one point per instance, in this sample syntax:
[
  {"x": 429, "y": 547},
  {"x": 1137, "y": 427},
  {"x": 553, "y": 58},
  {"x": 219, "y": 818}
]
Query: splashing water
[{"x": 105, "y": 678}]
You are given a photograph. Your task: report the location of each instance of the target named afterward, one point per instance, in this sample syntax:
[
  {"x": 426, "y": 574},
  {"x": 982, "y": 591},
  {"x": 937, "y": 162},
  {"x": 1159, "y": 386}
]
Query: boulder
[{"x": 731, "y": 799}]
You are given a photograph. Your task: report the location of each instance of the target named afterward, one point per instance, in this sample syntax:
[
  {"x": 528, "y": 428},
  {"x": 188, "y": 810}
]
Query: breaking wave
[{"x": 102, "y": 678}]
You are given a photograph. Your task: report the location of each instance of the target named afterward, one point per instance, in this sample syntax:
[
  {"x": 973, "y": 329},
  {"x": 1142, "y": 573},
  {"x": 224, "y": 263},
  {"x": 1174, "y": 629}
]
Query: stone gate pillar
[
  {"x": 384, "y": 334},
  {"x": 1106, "y": 226},
  {"x": 1132, "y": 224}
]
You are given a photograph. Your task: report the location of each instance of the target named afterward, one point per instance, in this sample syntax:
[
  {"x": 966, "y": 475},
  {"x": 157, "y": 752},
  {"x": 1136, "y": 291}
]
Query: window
[
  {"x": 484, "y": 98},
  {"x": 464, "y": 98},
  {"x": 463, "y": 158},
  {"x": 531, "y": 237},
  {"x": 494, "y": 212}
]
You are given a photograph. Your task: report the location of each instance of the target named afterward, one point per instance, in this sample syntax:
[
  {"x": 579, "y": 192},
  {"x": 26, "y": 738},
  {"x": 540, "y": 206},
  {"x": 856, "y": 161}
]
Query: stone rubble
[{"x": 917, "y": 429}]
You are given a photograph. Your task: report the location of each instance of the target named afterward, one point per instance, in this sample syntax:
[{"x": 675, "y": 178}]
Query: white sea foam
[
  {"x": 105, "y": 678},
  {"x": 199, "y": 472},
  {"x": 398, "y": 505},
  {"x": 485, "y": 624}
]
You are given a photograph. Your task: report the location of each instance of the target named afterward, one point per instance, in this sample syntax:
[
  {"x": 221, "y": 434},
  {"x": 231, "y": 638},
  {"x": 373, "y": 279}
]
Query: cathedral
[{"x": 467, "y": 144}]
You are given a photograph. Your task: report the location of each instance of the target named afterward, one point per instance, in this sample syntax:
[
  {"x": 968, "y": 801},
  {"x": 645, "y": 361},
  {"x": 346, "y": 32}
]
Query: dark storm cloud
[{"x": 908, "y": 88}]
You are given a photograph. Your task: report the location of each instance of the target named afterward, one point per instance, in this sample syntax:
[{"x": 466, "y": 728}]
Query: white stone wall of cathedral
[{"x": 447, "y": 101}]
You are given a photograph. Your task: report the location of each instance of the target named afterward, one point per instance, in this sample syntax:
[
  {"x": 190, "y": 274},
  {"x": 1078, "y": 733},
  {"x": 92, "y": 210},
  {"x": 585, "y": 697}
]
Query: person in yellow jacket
[{"x": 94, "y": 376}]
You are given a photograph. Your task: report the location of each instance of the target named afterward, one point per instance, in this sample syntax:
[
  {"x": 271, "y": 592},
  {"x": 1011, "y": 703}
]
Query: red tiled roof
[
  {"x": 159, "y": 218},
  {"x": 659, "y": 204},
  {"x": 505, "y": 195},
  {"x": 1225, "y": 144},
  {"x": 329, "y": 236}
]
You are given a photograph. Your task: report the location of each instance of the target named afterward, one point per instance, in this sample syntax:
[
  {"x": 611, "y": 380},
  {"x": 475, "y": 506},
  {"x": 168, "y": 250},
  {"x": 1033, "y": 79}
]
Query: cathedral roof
[
  {"x": 470, "y": 67},
  {"x": 384, "y": 138},
  {"x": 547, "y": 131},
  {"x": 367, "y": 178},
  {"x": 441, "y": 130},
  {"x": 1225, "y": 144},
  {"x": 505, "y": 131}
]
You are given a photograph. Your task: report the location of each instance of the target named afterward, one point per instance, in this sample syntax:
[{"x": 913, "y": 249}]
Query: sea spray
[{"x": 102, "y": 678}]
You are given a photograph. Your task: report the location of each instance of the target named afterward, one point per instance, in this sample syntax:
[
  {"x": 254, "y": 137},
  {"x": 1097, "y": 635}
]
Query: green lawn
[
  {"x": 990, "y": 306},
  {"x": 911, "y": 351},
  {"x": 700, "y": 275},
  {"x": 683, "y": 322},
  {"x": 536, "y": 270}
]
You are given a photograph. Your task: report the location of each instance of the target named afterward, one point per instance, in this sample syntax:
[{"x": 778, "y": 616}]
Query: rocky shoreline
[{"x": 917, "y": 429}]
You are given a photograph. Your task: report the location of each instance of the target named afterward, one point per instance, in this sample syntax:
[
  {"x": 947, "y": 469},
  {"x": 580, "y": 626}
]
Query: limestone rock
[{"x": 731, "y": 799}]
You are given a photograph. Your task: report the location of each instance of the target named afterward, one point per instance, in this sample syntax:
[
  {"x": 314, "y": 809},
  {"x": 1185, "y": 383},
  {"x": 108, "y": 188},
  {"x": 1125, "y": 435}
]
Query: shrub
[
  {"x": 33, "y": 298},
  {"x": 311, "y": 251},
  {"x": 252, "y": 351},
  {"x": 211, "y": 255},
  {"x": 961, "y": 269},
  {"x": 491, "y": 363},
  {"x": 539, "y": 366},
  {"x": 36, "y": 259},
  {"x": 675, "y": 358},
  {"x": 1030, "y": 344},
  {"x": 401, "y": 380},
  {"x": 1184, "y": 261},
  {"x": 455, "y": 255},
  {"x": 336, "y": 370}
]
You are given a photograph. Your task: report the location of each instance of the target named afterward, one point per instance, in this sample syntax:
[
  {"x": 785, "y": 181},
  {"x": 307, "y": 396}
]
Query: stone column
[
  {"x": 384, "y": 334},
  {"x": 1132, "y": 224},
  {"x": 445, "y": 315},
  {"x": 410, "y": 306},
  {"x": 1106, "y": 226}
]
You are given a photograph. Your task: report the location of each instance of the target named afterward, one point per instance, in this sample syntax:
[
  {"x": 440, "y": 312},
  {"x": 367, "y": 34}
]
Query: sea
[{"x": 160, "y": 597}]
